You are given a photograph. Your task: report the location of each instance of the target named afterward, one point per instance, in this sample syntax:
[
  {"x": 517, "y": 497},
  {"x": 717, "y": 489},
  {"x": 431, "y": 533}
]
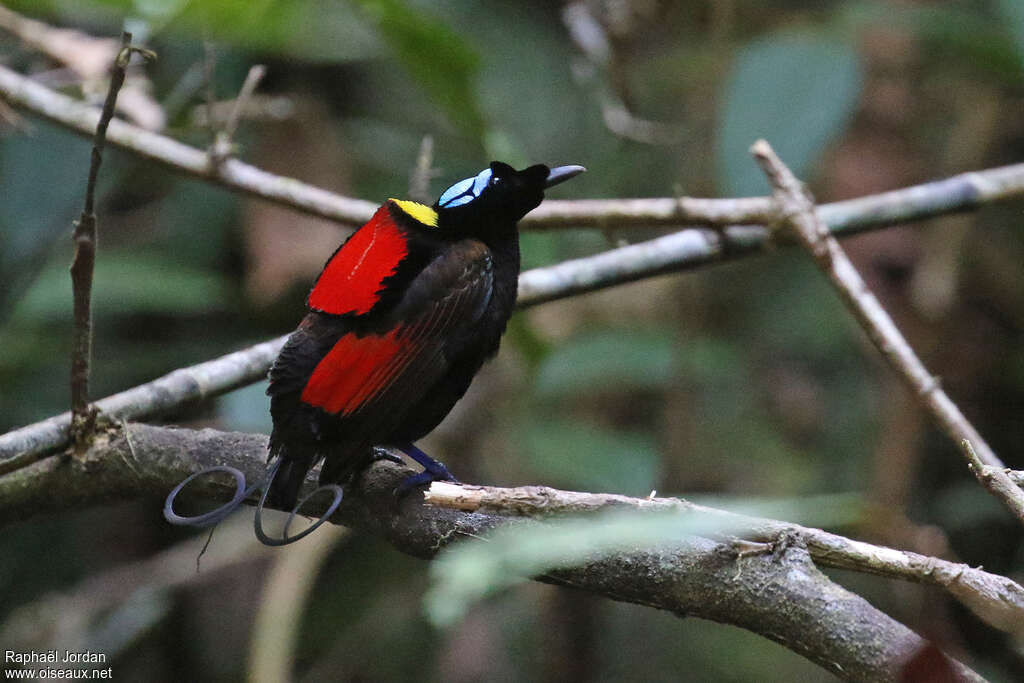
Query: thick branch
[
  {"x": 959, "y": 193},
  {"x": 798, "y": 211},
  {"x": 782, "y": 596},
  {"x": 996, "y": 599}
]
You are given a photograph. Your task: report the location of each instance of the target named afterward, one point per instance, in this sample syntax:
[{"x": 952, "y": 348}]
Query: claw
[{"x": 432, "y": 471}]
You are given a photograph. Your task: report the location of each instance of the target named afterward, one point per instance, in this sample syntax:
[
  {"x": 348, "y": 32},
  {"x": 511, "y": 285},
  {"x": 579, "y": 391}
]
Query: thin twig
[
  {"x": 84, "y": 261},
  {"x": 798, "y": 212},
  {"x": 422, "y": 172},
  {"x": 996, "y": 599},
  {"x": 1000, "y": 481},
  {"x": 209, "y": 86},
  {"x": 223, "y": 144},
  {"x": 958, "y": 193}
]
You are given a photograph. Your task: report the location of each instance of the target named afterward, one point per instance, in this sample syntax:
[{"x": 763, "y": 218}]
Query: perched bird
[{"x": 401, "y": 318}]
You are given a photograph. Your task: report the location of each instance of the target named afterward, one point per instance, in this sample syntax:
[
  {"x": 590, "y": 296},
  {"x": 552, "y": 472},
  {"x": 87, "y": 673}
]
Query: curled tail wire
[{"x": 219, "y": 514}]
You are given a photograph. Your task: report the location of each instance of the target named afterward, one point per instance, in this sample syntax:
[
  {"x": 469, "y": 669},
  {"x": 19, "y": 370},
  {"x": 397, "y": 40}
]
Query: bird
[{"x": 400, "y": 319}]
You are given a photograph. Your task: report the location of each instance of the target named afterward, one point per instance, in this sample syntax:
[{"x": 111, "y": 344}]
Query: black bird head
[{"x": 498, "y": 196}]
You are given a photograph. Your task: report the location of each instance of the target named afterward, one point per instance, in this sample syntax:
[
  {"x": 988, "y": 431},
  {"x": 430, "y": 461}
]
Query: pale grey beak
[{"x": 562, "y": 173}]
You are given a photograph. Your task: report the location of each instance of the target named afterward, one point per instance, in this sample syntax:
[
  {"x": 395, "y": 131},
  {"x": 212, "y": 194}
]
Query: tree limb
[
  {"x": 799, "y": 213},
  {"x": 959, "y": 193},
  {"x": 781, "y": 596},
  {"x": 995, "y": 599}
]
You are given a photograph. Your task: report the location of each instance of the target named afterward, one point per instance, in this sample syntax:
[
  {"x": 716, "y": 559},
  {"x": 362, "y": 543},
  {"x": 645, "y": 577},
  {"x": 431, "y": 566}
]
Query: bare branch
[
  {"x": 223, "y": 145},
  {"x": 22, "y": 447},
  {"x": 678, "y": 251},
  {"x": 959, "y": 193},
  {"x": 995, "y": 599},
  {"x": 84, "y": 261},
  {"x": 422, "y": 172},
  {"x": 799, "y": 213},
  {"x": 32, "y": 97},
  {"x": 88, "y": 56},
  {"x": 781, "y": 596}
]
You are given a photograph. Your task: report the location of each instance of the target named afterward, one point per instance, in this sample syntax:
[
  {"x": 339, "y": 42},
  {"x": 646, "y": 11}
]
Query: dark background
[{"x": 743, "y": 381}]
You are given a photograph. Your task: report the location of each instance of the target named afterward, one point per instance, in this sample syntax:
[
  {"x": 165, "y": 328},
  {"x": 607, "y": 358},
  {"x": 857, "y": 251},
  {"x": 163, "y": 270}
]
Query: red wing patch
[
  {"x": 351, "y": 280},
  {"x": 356, "y": 370}
]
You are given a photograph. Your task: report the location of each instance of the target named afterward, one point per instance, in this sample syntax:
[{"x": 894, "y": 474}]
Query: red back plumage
[
  {"x": 352, "y": 280},
  {"x": 355, "y": 369}
]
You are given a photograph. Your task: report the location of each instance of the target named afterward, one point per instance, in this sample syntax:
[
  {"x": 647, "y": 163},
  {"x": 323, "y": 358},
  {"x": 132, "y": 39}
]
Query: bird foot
[
  {"x": 381, "y": 454},
  {"x": 432, "y": 471}
]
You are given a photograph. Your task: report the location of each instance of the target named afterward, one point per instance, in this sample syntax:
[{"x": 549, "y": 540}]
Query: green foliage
[
  {"x": 581, "y": 454},
  {"x": 437, "y": 57},
  {"x": 317, "y": 30},
  {"x": 1013, "y": 13},
  {"x": 43, "y": 186},
  {"x": 129, "y": 284},
  {"x": 472, "y": 570},
  {"x": 799, "y": 115},
  {"x": 609, "y": 360}
]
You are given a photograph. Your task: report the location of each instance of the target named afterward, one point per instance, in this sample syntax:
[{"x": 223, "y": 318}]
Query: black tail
[{"x": 285, "y": 487}]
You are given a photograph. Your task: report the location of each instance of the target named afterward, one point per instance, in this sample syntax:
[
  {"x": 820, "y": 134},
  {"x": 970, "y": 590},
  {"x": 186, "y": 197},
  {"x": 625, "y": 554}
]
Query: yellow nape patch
[{"x": 421, "y": 212}]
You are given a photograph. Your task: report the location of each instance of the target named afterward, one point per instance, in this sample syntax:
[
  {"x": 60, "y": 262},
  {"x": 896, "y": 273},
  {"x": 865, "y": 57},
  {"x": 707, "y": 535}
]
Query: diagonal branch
[
  {"x": 781, "y": 596},
  {"x": 959, "y": 193},
  {"x": 799, "y": 213},
  {"x": 670, "y": 253}
]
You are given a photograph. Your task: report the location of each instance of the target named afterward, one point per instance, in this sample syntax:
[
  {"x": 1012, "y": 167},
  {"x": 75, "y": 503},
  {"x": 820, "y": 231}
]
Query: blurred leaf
[
  {"x": 436, "y": 56},
  {"x": 795, "y": 90},
  {"x": 965, "y": 506},
  {"x": 321, "y": 30},
  {"x": 537, "y": 248},
  {"x": 968, "y": 39},
  {"x": 711, "y": 361},
  {"x": 471, "y": 570},
  {"x": 609, "y": 360},
  {"x": 43, "y": 186},
  {"x": 963, "y": 36},
  {"x": 1013, "y": 13},
  {"x": 584, "y": 455},
  {"x": 128, "y": 284}
]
